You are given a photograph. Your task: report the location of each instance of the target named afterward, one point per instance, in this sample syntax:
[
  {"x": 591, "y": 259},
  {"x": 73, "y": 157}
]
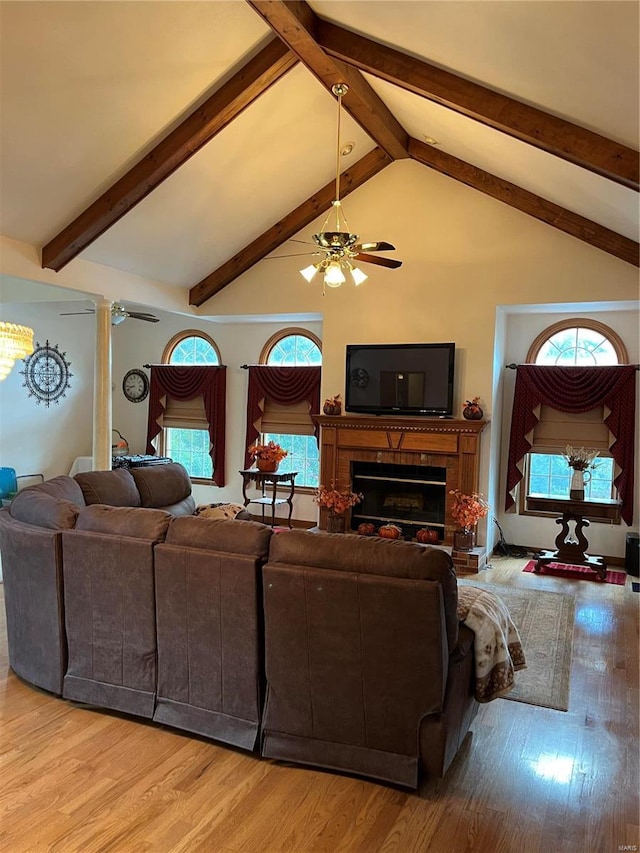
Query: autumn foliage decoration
[{"x": 467, "y": 510}]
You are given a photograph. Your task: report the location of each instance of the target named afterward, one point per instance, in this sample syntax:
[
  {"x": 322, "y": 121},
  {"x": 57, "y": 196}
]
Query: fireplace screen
[{"x": 411, "y": 496}]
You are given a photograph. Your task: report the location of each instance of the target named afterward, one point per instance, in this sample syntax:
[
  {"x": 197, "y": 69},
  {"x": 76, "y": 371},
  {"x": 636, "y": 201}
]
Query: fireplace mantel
[{"x": 444, "y": 442}]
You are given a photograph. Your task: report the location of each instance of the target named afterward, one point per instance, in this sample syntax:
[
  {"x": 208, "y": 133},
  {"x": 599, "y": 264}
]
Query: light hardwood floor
[{"x": 528, "y": 780}]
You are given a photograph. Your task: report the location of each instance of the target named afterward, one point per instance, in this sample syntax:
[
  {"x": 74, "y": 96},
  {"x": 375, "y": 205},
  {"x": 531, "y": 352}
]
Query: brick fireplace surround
[{"x": 452, "y": 445}]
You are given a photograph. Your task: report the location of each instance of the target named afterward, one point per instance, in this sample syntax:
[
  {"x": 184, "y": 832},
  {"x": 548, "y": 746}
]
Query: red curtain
[
  {"x": 577, "y": 389},
  {"x": 186, "y": 383},
  {"x": 283, "y": 385}
]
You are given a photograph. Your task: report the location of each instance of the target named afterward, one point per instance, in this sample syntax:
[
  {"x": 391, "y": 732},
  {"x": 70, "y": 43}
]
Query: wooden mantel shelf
[
  {"x": 451, "y": 444},
  {"x": 397, "y": 422}
]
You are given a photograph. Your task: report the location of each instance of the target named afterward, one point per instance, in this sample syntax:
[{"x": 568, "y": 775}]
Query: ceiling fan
[
  {"x": 118, "y": 314},
  {"x": 340, "y": 248}
]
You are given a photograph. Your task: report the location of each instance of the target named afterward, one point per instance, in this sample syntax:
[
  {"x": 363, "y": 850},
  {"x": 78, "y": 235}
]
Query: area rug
[
  {"x": 545, "y": 624},
  {"x": 578, "y": 573}
]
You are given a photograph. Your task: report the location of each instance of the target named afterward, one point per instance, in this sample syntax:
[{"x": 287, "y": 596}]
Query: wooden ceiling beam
[
  {"x": 318, "y": 203},
  {"x": 295, "y": 23},
  {"x": 205, "y": 122},
  {"x": 547, "y": 132},
  {"x": 527, "y": 202}
]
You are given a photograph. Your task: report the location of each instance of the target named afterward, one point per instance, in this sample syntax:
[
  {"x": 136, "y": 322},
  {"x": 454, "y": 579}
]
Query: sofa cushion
[
  {"x": 247, "y": 537},
  {"x": 346, "y": 552},
  {"x": 43, "y": 510},
  {"x": 134, "y": 522},
  {"x": 114, "y": 488},
  {"x": 162, "y": 485}
]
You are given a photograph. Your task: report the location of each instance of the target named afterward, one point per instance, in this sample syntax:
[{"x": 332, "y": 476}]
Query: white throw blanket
[{"x": 497, "y": 646}]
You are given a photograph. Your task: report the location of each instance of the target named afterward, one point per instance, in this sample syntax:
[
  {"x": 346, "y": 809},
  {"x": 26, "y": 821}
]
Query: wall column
[{"x": 102, "y": 388}]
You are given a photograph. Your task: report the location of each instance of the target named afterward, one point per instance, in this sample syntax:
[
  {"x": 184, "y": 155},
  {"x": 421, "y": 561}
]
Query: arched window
[
  {"x": 578, "y": 342},
  {"x": 185, "y": 438},
  {"x": 292, "y": 348},
  {"x": 582, "y": 343},
  {"x": 295, "y": 347}
]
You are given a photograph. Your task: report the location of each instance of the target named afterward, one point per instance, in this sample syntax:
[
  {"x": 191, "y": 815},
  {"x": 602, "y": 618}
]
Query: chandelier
[
  {"x": 339, "y": 246},
  {"x": 15, "y": 342}
]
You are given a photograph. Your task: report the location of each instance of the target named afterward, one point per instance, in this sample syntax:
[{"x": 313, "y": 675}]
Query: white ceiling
[{"x": 87, "y": 88}]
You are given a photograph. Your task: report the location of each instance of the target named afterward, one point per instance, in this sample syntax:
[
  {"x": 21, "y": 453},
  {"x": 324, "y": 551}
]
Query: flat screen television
[{"x": 400, "y": 379}]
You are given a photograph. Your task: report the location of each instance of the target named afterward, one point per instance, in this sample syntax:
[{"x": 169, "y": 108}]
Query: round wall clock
[
  {"x": 135, "y": 385},
  {"x": 46, "y": 374}
]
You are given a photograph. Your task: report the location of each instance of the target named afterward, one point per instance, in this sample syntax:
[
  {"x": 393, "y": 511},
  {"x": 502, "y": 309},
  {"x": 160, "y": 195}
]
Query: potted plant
[
  {"x": 267, "y": 456},
  {"x": 336, "y": 502},
  {"x": 466, "y": 511}
]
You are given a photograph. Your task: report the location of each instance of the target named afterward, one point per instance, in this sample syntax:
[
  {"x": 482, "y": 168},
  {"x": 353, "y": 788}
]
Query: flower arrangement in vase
[
  {"x": 267, "y": 456},
  {"x": 466, "y": 511},
  {"x": 580, "y": 460},
  {"x": 336, "y": 502}
]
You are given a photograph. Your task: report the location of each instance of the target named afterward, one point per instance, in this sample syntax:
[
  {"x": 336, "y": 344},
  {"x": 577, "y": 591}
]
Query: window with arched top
[
  {"x": 294, "y": 347},
  {"x": 185, "y": 436},
  {"x": 573, "y": 342},
  {"x": 578, "y": 342}
]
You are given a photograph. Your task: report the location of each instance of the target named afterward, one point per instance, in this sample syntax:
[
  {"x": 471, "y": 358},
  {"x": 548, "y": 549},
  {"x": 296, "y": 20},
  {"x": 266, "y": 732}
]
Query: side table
[
  {"x": 572, "y": 548},
  {"x": 269, "y": 481}
]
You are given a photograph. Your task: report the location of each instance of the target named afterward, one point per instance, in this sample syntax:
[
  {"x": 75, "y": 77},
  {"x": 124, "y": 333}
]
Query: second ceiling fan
[{"x": 118, "y": 314}]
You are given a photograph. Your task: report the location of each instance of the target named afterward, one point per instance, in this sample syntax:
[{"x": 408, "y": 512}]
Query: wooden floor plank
[{"x": 527, "y": 780}]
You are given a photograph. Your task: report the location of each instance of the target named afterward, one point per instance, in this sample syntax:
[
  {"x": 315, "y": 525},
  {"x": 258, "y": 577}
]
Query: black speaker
[{"x": 632, "y": 553}]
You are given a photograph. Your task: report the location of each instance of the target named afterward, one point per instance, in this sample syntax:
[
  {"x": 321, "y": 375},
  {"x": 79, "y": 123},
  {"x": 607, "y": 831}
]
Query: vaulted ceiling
[{"x": 186, "y": 141}]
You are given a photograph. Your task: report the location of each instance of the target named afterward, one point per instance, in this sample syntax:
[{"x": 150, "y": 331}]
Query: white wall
[{"x": 34, "y": 438}]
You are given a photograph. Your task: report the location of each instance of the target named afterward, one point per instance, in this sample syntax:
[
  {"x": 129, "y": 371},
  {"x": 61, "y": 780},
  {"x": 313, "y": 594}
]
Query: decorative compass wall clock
[{"x": 46, "y": 374}]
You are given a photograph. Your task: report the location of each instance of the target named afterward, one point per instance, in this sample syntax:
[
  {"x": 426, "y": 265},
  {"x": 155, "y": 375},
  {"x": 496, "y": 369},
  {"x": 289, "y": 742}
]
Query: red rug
[{"x": 561, "y": 570}]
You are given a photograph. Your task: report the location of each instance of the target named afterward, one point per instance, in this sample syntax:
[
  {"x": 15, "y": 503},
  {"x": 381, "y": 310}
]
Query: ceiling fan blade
[
  {"x": 296, "y": 255},
  {"x": 390, "y": 263},
  {"x": 141, "y": 316},
  {"x": 76, "y": 313},
  {"x": 374, "y": 247}
]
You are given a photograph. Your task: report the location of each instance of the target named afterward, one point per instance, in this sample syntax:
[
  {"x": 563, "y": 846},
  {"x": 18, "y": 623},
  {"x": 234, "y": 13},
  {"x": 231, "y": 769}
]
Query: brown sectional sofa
[{"x": 117, "y": 596}]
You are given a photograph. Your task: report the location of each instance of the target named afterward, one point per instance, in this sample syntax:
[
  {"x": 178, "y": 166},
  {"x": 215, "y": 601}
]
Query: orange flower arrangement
[
  {"x": 271, "y": 452},
  {"x": 467, "y": 510},
  {"x": 337, "y": 501}
]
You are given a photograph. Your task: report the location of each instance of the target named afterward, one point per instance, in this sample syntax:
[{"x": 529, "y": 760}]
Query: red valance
[
  {"x": 577, "y": 389},
  {"x": 186, "y": 383},
  {"x": 284, "y": 385}
]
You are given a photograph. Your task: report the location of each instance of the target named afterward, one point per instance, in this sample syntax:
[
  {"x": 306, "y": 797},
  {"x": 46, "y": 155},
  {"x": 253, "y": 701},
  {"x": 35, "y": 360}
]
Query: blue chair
[{"x": 9, "y": 483}]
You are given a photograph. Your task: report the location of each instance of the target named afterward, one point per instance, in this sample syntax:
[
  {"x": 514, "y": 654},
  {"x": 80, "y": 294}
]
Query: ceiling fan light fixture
[
  {"x": 333, "y": 276},
  {"x": 358, "y": 276},
  {"x": 309, "y": 272}
]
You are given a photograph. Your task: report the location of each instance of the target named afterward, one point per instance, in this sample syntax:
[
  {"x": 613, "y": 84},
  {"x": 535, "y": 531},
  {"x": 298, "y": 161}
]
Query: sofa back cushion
[
  {"x": 53, "y": 504},
  {"x": 43, "y": 510},
  {"x": 352, "y": 553},
  {"x": 114, "y": 488},
  {"x": 228, "y": 535},
  {"x": 134, "y": 522},
  {"x": 162, "y": 486}
]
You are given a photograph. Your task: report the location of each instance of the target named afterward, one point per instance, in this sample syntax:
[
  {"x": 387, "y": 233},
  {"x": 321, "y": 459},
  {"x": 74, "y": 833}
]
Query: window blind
[{"x": 556, "y": 429}]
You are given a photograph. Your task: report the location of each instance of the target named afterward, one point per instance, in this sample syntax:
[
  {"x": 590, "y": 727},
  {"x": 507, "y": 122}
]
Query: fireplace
[
  {"x": 376, "y": 455},
  {"x": 411, "y": 496}
]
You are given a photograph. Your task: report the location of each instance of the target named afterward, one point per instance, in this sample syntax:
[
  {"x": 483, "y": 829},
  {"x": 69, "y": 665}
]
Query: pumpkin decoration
[
  {"x": 332, "y": 406},
  {"x": 390, "y": 531},
  {"x": 367, "y": 529},
  {"x": 472, "y": 411},
  {"x": 427, "y": 535}
]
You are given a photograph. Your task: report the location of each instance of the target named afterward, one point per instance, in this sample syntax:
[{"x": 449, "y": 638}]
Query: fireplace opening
[{"x": 411, "y": 496}]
